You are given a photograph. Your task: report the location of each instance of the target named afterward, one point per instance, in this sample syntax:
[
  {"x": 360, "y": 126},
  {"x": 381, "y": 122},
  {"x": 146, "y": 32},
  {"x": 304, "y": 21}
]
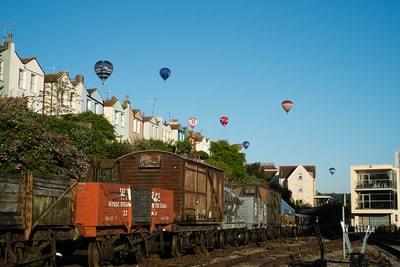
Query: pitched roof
[
  {"x": 28, "y": 59},
  {"x": 148, "y": 118},
  {"x": 53, "y": 77},
  {"x": 270, "y": 170},
  {"x": 137, "y": 114},
  {"x": 286, "y": 171},
  {"x": 110, "y": 102},
  {"x": 91, "y": 91}
]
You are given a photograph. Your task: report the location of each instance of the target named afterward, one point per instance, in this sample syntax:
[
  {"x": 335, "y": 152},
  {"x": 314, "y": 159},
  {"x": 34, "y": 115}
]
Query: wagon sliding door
[{"x": 195, "y": 206}]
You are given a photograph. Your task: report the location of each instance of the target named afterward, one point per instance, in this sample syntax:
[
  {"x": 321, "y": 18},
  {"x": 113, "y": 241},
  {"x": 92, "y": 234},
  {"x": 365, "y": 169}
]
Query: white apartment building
[
  {"x": 374, "y": 199},
  {"x": 20, "y": 77}
]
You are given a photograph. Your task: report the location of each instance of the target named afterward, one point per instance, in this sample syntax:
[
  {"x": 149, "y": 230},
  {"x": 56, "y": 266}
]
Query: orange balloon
[{"x": 287, "y": 105}]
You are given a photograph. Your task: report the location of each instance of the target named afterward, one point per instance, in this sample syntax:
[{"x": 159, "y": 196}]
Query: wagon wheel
[
  {"x": 140, "y": 253},
  {"x": 175, "y": 246},
  {"x": 93, "y": 254},
  {"x": 246, "y": 238},
  {"x": 200, "y": 247}
]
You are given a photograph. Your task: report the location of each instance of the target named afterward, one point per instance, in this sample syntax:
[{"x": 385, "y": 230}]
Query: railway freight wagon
[
  {"x": 39, "y": 215},
  {"x": 198, "y": 190},
  {"x": 35, "y": 211},
  {"x": 261, "y": 210},
  {"x": 120, "y": 221}
]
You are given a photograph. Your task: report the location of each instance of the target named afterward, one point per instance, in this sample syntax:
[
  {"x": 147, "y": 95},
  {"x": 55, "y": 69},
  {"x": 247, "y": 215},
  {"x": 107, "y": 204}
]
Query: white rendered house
[
  {"x": 20, "y": 77},
  {"x": 116, "y": 115},
  {"x": 94, "y": 102},
  {"x": 300, "y": 180}
]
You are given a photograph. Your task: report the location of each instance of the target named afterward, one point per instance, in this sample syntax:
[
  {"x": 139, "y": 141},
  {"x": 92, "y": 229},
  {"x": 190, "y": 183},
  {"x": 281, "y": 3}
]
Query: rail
[{"x": 388, "y": 244}]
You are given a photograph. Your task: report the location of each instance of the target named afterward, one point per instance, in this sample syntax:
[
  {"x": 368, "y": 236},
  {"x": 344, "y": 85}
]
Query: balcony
[
  {"x": 388, "y": 204},
  {"x": 376, "y": 184},
  {"x": 377, "y": 200}
]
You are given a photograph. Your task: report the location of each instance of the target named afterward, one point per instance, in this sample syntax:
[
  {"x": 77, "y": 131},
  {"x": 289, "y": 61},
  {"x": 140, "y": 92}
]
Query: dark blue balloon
[
  {"x": 103, "y": 69},
  {"x": 165, "y": 73},
  {"x": 246, "y": 144},
  {"x": 332, "y": 170}
]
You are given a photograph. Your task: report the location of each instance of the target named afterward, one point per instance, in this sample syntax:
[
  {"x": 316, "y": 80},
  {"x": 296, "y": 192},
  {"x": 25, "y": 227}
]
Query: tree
[
  {"x": 257, "y": 170},
  {"x": 117, "y": 149},
  {"x": 183, "y": 147},
  {"x": 91, "y": 133},
  {"x": 286, "y": 194},
  {"x": 152, "y": 144},
  {"x": 28, "y": 143},
  {"x": 228, "y": 158}
]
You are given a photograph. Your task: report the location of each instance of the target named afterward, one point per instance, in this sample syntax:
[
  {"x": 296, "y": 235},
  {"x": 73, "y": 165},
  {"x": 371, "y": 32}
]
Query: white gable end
[{"x": 302, "y": 185}]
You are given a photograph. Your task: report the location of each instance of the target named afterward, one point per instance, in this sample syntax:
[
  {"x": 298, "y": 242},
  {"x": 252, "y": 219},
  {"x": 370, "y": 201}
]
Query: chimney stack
[
  {"x": 9, "y": 39},
  {"x": 79, "y": 78}
]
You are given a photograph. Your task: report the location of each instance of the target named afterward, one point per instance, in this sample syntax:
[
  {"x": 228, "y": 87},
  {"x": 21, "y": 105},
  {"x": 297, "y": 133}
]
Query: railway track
[
  {"x": 388, "y": 244},
  {"x": 269, "y": 253}
]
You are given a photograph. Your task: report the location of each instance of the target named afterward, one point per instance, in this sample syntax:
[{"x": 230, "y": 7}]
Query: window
[
  {"x": 300, "y": 177},
  {"x": 98, "y": 108},
  {"x": 71, "y": 98},
  {"x": 122, "y": 119},
  {"x": 116, "y": 118},
  {"x": 62, "y": 98},
  {"x": 21, "y": 79},
  {"x": 300, "y": 189},
  {"x": 1, "y": 70},
  {"x": 33, "y": 83}
]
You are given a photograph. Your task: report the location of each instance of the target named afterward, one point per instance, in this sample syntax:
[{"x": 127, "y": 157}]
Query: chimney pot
[{"x": 80, "y": 78}]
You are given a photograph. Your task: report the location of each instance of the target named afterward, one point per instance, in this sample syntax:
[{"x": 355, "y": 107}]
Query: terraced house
[
  {"x": 116, "y": 114},
  {"x": 20, "y": 77}
]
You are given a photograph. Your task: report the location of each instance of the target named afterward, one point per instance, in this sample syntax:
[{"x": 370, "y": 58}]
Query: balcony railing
[
  {"x": 376, "y": 184},
  {"x": 381, "y": 204}
]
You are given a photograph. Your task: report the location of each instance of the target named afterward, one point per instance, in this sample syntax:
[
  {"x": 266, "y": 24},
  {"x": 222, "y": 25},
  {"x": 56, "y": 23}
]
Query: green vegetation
[
  {"x": 67, "y": 145},
  {"x": 227, "y": 157},
  {"x": 29, "y": 142},
  {"x": 257, "y": 170}
]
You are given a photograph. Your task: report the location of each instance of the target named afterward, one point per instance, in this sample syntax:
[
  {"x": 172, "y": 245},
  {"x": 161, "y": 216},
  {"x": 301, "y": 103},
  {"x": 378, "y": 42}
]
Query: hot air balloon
[
  {"x": 192, "y": 122},
  {"x": 165, "y": 73},
  {"x": 246, "y": 144},
  {"x": 103, "y": 69},
  {"x": 332, "y": 170},
  {"x": 287, "y": 105},
  {"x": 224, "y": 120}
]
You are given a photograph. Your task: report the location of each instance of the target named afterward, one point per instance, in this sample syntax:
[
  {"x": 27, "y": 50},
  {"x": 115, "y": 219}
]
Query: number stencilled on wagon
[
  {"x": 125, "y": 199},
  {"x": 157, "y": 203}
]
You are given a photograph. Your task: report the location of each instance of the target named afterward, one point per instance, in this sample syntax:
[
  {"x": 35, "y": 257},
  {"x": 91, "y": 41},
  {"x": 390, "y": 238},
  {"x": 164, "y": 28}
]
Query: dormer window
[{"x": 300, "y": 177}]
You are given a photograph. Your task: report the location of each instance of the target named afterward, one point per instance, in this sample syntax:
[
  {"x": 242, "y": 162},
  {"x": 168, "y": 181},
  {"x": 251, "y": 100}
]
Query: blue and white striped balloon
[{"x": 103, "y": 69}]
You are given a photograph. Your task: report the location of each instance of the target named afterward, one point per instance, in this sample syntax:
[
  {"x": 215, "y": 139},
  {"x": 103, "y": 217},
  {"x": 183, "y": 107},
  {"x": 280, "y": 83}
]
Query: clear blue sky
[{"x": 339, "y": 61}]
